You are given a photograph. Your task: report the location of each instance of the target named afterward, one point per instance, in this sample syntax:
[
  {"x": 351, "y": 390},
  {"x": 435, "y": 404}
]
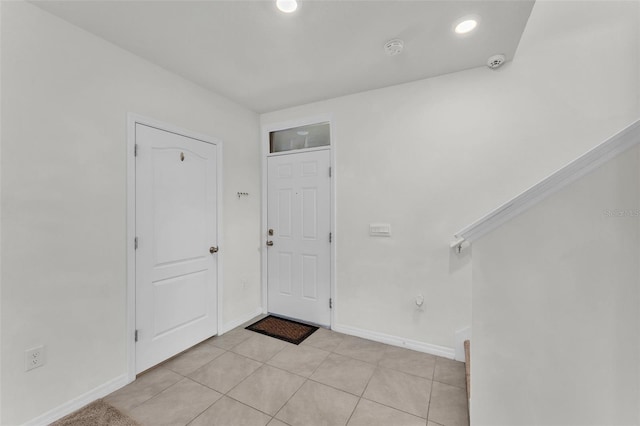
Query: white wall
[
  {"x": 0, "y": 220},
  {"x": 65, "y": 98},
  {"x": 555, "y": 307},
  {"x": 432, "y": 156}
]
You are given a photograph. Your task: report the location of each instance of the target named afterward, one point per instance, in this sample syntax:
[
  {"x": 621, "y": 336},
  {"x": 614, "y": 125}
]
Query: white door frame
[
  {"x": 132, "y": 120},
  {"x": 266, "y": 129}
]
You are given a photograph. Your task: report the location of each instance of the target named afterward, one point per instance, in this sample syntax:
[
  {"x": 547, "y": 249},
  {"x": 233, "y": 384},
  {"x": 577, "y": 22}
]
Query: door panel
[
  {"x": 285, "y": 272},
  {"x": 176, "y": 223},
  {"x": 309, "y": 276},
  {"x": 174, "y": 206},
  {"x": 180, "y": 300},
  {"x": 298, "y": 211},
  {"x": 284, "y": 212},
  {"x": 310, "y": 214}
]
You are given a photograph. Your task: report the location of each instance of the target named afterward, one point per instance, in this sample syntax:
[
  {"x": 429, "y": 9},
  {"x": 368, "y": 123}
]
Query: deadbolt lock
[
  {"x": 213, "y": 250},
  {"x": 270, "y": 232}
]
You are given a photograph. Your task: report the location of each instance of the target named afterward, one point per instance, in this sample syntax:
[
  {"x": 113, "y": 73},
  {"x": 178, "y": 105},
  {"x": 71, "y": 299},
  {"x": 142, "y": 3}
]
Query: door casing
[
  {"x": 266, "y": 129},
  {"x": 132, "y": 119}
]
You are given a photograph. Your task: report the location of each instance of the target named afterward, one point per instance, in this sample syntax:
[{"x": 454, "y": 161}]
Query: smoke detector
[
  {"x": 495, "y": 61},
  {"x": 394, "y": 47}
]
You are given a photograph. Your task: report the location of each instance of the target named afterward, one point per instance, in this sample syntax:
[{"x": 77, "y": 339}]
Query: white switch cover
[{"x": 380, "y": 229}]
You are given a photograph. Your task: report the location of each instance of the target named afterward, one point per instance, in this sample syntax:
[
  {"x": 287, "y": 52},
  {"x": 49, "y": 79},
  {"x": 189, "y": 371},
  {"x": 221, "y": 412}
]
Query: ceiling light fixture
[
  {"x": 466, "y": 26},
  {"x": 287, "y": 6}
]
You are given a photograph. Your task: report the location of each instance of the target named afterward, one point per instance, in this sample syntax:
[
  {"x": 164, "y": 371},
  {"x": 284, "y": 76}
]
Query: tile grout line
[
  {"x": 281, "y": 369},
  {"x": 157, "y": 393},
  {"x": 166, "y": 389},
  {"x": 343, "y": 339},
  {"x": 307, "y": 379},
  {"x": 246, "y": 378},
  {"x": 433, "y": 375},
  {"x": 429, "y": 403},
  {"x": 285, "y": 404},
  {"x": 197, "y": 368},
  {"x": 394, "y": 408},
  {"x": 247, "y": 405},
  {"x": 318, "y": 366},
  {"x": 355, "y": 407},
  {"x": 361, "y": 396},
  {"x": 202, "y": 412}
]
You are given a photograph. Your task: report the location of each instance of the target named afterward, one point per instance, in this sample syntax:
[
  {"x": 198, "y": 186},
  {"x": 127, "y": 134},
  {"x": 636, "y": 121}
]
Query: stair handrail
[{"x": 600, "y": 154}]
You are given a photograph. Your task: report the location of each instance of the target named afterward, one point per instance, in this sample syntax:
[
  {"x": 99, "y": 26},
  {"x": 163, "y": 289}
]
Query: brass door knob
[
  {"x": 269, "y": 243},
  {"x": 213, "y": 250}
]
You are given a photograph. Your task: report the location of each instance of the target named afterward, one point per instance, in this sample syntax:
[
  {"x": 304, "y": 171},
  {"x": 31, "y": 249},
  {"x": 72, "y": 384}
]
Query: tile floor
[{"x": 244, "y": 379}]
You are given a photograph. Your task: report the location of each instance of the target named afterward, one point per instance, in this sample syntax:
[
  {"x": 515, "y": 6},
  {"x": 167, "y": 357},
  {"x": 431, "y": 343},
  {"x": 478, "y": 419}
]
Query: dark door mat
[{"x": 283, "y": 329}]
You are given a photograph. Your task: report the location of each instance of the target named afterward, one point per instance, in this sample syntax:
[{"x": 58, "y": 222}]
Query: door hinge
[
  {"x": 135, "y": 336},
  {"x": 135, "y": 243},
  {"x": 329, "y": 171},
  {"x": 330, "y": 236},
  {"x": 135, "y": 150},
  {"x": 330, "y": 303}
]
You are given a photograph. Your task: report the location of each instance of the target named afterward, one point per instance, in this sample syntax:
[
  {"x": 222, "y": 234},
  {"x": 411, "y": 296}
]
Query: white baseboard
[
  {"x": 396, "y": 341},
  {"x": 461, "y": 336},
  {"x": 79, "y": 402},
  {"x": 239, "y": 321}
]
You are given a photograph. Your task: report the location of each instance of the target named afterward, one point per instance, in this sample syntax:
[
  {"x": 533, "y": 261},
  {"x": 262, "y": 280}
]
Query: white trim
[
  {"x": 131, "y": 253},
  {"x": 613, "y": 146},
  {"x": 334, "y": 215},
  {"x": 220, "y": 233},
  {"x": 132, "y": 119},
  {"x": 415, "y": 345},
  {"x": 460, "y": 337},
  {"x": 1, "y": 399},
  {"x": 238, "y": 322},
  {"x": 79, "y": 402},
  {"x": 300, "y": 151},
  {"x": 271, "y": 127}
]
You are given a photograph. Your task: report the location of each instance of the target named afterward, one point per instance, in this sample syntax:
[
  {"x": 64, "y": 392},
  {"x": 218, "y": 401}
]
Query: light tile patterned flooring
[{"x": 246, "y": 379}]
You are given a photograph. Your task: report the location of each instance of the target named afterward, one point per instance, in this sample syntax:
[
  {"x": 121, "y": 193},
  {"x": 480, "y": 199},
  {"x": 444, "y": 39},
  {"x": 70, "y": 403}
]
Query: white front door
[
  {"x": 298, "y": 215},
  {"x": 176, "y": 228}
]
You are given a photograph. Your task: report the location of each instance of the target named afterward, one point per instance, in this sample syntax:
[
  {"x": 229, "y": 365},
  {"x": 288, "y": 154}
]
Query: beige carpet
[{"x": 98, "y": 413}]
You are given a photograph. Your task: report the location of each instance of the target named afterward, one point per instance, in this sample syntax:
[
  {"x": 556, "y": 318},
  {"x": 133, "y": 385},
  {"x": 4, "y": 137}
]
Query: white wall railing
[{"x": 610, "y": 148}]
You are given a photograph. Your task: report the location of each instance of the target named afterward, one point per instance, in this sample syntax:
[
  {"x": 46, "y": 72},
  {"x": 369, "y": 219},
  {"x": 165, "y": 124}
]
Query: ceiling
[{"x": 266, "y": 60}]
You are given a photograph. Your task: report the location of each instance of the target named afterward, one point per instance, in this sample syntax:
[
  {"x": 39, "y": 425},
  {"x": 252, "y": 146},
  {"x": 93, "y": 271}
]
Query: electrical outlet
[{"x": 34, "y": 358}]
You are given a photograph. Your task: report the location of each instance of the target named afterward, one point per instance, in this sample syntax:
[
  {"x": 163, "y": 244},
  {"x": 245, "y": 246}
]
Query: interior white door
[
  {"x": 299, "y": 214},
  {"x": 176, "y": 228}
]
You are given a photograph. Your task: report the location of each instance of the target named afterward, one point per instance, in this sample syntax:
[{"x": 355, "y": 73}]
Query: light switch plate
[{"x": 380, "y": 229}]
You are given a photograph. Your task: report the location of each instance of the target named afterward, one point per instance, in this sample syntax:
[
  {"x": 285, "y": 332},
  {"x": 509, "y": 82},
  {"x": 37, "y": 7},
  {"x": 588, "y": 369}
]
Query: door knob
[
  {"x": 269, "y": 243},
  {"x": 213, "y": 250}
]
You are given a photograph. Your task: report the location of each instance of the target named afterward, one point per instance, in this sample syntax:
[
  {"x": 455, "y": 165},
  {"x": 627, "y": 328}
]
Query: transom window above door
[{"x": 303, "y": 137}]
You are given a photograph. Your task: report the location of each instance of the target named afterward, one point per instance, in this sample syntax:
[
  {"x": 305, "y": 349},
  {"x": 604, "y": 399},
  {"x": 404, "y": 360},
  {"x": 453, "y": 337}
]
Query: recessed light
[
  {"x": 466, "y": 26},
  {"x": 303, "y": 133},
  {"x": 287, "y": 6}
]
